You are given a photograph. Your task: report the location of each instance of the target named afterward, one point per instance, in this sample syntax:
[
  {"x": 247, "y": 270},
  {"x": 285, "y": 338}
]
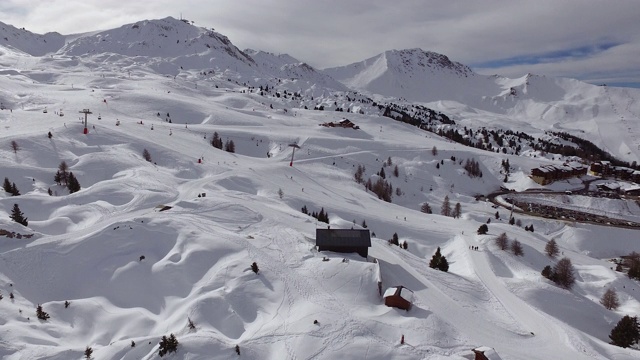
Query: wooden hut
[{"x": 344, "y": 240}]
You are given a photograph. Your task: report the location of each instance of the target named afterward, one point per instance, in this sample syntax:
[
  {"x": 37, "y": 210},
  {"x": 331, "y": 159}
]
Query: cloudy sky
[{"x": 592, "y": 40}]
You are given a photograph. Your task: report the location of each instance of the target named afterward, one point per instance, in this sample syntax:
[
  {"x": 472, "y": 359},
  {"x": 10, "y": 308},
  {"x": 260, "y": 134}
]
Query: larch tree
[
  {"x": 502, "y": 241},
  {"x": 551, "y": 249},
  {"x": 446, "y": 207},
  {"x": 610, "y": 299}
]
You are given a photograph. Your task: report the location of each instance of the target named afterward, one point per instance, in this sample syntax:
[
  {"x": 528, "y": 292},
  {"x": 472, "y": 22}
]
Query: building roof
[
  {"x": 401, "y": 291},
  {"x": 488, "y": 352},
  {"x": 343, "y": 237}
]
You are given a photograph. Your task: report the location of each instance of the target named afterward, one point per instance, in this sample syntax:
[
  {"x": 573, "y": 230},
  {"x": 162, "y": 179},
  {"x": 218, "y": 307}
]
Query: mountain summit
[{"x": 413, "y": 74}]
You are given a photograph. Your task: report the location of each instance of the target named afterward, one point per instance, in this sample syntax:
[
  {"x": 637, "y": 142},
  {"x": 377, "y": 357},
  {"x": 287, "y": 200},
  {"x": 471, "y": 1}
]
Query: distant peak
[{"x": 417, "y": 57}]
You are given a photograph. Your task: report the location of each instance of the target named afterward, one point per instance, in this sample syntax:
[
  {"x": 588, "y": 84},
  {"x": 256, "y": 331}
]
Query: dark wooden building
[
  {"x": 399, "y": 297},
  {"x": 344, "y": 241}
]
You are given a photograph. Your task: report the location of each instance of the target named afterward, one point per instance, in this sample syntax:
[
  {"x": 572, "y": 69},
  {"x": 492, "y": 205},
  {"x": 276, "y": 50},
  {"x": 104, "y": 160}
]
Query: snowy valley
[{"x": 149, "y": 247}]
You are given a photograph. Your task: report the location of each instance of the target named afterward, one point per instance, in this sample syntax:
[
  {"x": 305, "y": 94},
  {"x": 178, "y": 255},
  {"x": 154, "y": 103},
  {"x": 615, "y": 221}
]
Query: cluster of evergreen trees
[
  {"x": 217, "y": 142},
  {"x": 562, "y": 273},
  {"x": 10, "y": 187},
  {"x": 168, "y": 344},
  {"x": 382, "y": 188},
  {"x": 63, "y": 176},
  {"x": 438, "y": 261},
  {"x": 321, "y": 216},
  {"x": 473, "y": 168},
  {"x": 446, "y": 208}
]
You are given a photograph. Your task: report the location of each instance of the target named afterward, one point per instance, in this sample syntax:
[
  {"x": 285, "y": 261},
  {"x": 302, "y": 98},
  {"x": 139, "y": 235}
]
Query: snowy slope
[{"x": 86, "y": 247}]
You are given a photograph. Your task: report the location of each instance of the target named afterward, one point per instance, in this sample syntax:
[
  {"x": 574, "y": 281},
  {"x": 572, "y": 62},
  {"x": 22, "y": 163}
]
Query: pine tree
[
  {"x": 457, "y": 211},
  {"x": 7, "y": 185},
  {"x": 551, "y": 249},
  {"x": 512, "y": 220},
  {"x": 610, "y": 299},
  {"x": 446, "y": 206},
  {"x": 502, "y": 241},
  {"x": 483, "y": 229},
  {"x": 364, "y": 224},
  {"x": 254, "y": 267},
  {"x": 64, "y": 174},
  {"x": 14, "y": 146},
  {"x": 216, "y": 142},
  {"x": 443, "y": 265},
  {"x": 626, "y": 332},
  {"x": 426, "y": 208},
  {"x": 87, "y": 352},
  {"x": 394, "y": 239},
  {"x": 168, "y": 345},
  {"x": 41, "y": 314},
  {"x": 359, "y": 173},
  {"x": 632, "y": 261},
  {"x": 434, "y": 151},
  {"x": 18, "y": 216},
  {"x": 396, "y": 172},
  {"x": 146, "y": 155},
  {"x": 564, "y": 273},
  {"x": 435, "y": 259},
  {"x": 516, "y": 247},
  {"x": 547, "y": 272},
  {"x": 14, "y": 190},
  {"x": 72, "y": 184},
  {"x": 230, "y": 146}
]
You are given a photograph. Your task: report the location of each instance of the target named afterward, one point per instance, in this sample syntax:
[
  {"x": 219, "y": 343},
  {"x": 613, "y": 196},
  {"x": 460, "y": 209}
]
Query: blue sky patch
[{"x": 553, "y": 56}]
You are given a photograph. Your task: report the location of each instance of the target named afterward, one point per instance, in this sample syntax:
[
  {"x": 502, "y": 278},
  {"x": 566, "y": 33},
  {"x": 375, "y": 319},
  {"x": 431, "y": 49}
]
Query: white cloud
[{"x": 331, "y": 32}]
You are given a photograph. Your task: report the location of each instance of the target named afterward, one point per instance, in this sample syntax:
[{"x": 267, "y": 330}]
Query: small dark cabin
[{"x": 344, "y": 240}]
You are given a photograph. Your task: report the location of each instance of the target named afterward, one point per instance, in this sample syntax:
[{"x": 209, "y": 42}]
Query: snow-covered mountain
[
  {"x": 149, "y": 246},
  {"x": 28, "y": 42},
  {"x": 543, "y": 103},
  {"x": 413, "y": 74}
]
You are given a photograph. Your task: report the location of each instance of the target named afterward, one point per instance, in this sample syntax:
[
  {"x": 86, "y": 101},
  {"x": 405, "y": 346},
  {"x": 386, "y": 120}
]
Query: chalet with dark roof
[{"x": 344, "y": 240}]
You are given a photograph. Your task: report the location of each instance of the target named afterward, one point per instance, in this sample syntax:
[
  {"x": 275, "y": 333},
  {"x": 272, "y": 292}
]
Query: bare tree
[
  {"x": 446, "y": 207},
  {"x": 14, "y": 146},
  {"x": 551, "y": 248},
  {"x": 146, "y": 155},
  {"x": 610, "y": 299},
  {"x": 502, "y": 241},
  {"x": 457, "y": 211},
  {"x": 516, "y": 247}
]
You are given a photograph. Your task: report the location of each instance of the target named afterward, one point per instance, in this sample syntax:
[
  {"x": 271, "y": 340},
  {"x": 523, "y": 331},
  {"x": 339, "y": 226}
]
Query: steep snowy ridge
[{"x": 28, "y": 42}]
